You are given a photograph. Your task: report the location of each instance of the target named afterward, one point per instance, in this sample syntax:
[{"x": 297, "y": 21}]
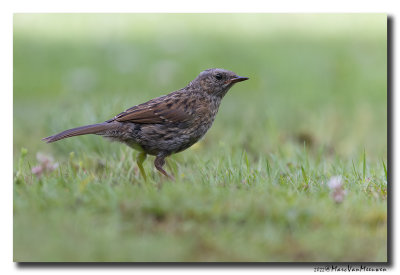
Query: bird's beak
[{"x": 236, "y": 79}]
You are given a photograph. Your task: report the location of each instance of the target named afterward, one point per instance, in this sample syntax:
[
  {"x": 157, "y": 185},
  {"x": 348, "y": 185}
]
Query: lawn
[{"x": 294, "y": 168}]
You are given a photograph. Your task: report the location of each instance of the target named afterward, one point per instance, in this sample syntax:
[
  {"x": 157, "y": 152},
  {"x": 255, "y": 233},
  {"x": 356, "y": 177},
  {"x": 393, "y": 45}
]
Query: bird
[{"x": 167, "y": 124}]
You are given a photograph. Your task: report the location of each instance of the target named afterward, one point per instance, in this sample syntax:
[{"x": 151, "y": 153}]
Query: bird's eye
[{"x": 218, "y": 76}]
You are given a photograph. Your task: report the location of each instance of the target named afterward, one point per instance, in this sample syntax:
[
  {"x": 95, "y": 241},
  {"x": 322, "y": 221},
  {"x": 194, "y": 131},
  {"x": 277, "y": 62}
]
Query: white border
[{"x": 7, "y": 8}]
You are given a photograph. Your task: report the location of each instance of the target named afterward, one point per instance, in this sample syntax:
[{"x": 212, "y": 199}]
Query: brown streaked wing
[{"x": 154, "y": 112}]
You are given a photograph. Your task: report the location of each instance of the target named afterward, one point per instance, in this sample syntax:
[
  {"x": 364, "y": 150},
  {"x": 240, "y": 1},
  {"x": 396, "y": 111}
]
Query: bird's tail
[{"x": 83, "y": 130}]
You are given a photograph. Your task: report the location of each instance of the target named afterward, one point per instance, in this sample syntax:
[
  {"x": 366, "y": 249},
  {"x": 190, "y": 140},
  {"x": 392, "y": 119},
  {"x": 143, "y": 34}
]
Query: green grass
[{"x": 254, "y": 189}]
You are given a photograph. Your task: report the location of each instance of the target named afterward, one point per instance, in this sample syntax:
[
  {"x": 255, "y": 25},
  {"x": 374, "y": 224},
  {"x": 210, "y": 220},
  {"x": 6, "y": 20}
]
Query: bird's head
[{"x": 217, "y": 82}]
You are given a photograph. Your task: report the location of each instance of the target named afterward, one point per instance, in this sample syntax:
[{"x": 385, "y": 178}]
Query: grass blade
[
  {"x": 364, "y": 166},
  {"x": 384, "y": 169},
  {"x": 304, "y": 174},
  {"x": 354, "y": 169},
  {"x": 268, "y": 169}
]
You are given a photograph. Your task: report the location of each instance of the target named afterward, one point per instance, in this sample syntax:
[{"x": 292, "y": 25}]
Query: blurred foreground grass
[{"x": 254, "y": 189}]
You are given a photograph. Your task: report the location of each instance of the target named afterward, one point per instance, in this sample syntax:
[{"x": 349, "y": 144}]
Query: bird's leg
[
  {"x": 140, "y": 159},
  {"x": 159, "y": 163}
]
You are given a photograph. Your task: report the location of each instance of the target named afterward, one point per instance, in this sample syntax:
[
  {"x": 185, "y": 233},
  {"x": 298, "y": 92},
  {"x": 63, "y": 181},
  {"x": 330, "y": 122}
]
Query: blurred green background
[
  {"x": 316, "y": 81},
  {"x": 321, "y": 77}
]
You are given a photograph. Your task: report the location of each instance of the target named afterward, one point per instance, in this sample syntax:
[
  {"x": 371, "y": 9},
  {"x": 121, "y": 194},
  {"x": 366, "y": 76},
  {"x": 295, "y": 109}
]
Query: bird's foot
[
  {"x": 159, "y": 163},
  {"x": 140, "y": 159}
]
